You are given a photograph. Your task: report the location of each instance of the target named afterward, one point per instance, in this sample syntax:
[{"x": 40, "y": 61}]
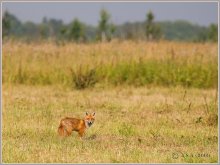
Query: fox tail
[{"x": 61, "y": 130}]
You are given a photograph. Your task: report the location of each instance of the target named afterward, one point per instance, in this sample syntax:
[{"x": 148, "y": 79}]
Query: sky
[{"x": 202, "y": 13}]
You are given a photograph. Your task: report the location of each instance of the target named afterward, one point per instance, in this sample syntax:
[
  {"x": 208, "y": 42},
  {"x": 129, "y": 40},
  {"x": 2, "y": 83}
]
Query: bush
[{"x": 83, "y": 78}]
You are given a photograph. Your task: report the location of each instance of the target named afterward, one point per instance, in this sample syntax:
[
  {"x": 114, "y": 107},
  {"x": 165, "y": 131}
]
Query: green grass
[
  {"x": 151, "y": 72},
  {"x": 135, "y": 125},
  {"x": 163, "y": 73}
]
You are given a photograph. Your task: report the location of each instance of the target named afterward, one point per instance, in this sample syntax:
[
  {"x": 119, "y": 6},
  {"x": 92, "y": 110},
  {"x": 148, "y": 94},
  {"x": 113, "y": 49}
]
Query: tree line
[{"x": 77, "y": 31}]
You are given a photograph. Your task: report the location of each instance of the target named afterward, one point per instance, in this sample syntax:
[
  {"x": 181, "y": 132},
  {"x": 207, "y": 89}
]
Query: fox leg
[
  {"x": 81, "y": 133},
  {"x": 67, "y": 131}
]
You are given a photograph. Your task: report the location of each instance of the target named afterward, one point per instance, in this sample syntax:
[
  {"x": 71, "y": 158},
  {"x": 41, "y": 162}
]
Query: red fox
[{"x": 67, "y": 125}]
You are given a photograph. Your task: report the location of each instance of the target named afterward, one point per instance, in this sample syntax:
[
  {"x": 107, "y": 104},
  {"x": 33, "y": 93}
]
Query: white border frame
[{"x": 107, "y": 1}]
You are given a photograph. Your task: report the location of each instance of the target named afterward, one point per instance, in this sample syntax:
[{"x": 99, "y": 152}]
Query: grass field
[
  {"x": 84, "y": 65},
  {"x": 140, "y": 118}
]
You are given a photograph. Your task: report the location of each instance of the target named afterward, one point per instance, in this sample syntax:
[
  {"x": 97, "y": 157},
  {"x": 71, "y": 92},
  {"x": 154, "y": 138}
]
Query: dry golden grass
[
  {"x": 71, "y": 54},
  {"x": 138, "y": 119},
  {"x": 132, "y": 125}
]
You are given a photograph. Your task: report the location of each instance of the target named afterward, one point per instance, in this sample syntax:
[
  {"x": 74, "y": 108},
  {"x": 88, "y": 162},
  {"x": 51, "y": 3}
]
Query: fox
[{"x": 68, "y": 125}]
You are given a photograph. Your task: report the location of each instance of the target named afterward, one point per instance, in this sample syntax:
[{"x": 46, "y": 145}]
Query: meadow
[{"x": 155, "y": 102}]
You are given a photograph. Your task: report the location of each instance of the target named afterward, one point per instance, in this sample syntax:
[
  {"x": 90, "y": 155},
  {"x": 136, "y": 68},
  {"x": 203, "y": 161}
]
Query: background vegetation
[{"x": 106, "y": 30}]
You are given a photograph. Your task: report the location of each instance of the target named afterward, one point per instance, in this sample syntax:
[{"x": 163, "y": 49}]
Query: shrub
[{"x": 83, "y": 78}]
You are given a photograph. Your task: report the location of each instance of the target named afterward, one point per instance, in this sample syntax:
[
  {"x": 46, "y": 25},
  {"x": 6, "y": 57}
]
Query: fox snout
[{"x": 89, "y": 123}]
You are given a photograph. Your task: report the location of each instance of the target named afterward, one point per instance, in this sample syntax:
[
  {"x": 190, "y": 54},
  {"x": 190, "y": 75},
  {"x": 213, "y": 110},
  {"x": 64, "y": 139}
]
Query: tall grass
[
  {"x": 163, "y": 73},
  {"x": 141, "y": 63}
]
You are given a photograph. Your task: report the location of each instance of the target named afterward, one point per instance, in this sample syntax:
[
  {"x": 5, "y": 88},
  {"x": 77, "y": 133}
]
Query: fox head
[{"x": 89, "y": 119}]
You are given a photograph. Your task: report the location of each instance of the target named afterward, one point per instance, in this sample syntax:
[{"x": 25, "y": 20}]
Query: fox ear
[
  {"x": 87, "y": 113},
  {"x": 93, "y": 114}
]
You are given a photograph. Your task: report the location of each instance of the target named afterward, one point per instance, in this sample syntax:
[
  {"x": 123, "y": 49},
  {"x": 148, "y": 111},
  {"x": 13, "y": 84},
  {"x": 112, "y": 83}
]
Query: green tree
[
  {"x": 105, "y": 28},
  {"x": 149, "y": 25},
  {"x": 11, "y": 25},
  {"x": 112, "y": 30},
  {"x": 5, "y": 24},
  {"x": 55, "y": 27},
  {"x": 76, "y": 31},
  {"x": 213, "y": 32},
  {"x": 44, "y": 29},
  {"x": 30, "y": 30},
  {"x": 153, "y": 31}
]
